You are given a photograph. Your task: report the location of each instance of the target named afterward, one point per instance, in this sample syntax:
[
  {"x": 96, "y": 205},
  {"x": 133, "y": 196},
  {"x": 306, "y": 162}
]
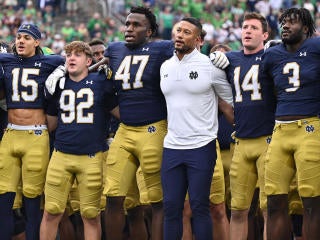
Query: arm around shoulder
[
  {"x": 227, "y": 110},
  {"x": 221, "y": 85}
]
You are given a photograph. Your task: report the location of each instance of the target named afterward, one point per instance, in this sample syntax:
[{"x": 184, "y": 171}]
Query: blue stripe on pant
[{"x": 190, "y": 170}]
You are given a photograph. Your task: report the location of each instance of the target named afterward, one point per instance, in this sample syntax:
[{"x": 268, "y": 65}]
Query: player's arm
[
  {"x": 52, "y": 112},
  {"x": 52, "y": 122},
  {"x": 95, "y": 67},
  {"x": 221, "y": 85},
  {"x": 57, "y": 76},
  {"x": 115, "y": 112},
  {"x": 2, "y": 94},
  {"x": 2, "y": 89},
  {"x": 227, "y": 110}
]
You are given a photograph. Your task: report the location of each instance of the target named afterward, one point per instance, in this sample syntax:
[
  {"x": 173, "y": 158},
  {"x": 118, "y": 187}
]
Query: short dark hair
[
  {"x": 203, "y": 34},
  {"x": 194, "y": 21},
  {"x": 303, "y": 15},
  {"x": 96, "y": 41},
  {"x": 149, "y": 15},
  {"x": 258, "y": 16}
]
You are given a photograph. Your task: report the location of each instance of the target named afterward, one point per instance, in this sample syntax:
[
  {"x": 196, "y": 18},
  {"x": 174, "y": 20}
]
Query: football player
[
  {"x": 78, "y": 111},
  {"x": 254, "y": 106},
  {"x": 138, "y": 141},
  {"x": 24, "y": 149},
  {"x": 137, "y": 228},
  {"x": 295, "y": 148}
]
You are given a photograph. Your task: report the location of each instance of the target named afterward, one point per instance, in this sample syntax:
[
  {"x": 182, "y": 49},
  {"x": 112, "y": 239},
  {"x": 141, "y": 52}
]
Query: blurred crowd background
[{"x": 62, "y": 21}]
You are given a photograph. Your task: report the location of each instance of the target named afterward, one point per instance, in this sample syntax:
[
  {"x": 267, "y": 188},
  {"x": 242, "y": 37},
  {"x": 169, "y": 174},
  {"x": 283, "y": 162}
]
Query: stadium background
[{"x": 62, "y": 21}]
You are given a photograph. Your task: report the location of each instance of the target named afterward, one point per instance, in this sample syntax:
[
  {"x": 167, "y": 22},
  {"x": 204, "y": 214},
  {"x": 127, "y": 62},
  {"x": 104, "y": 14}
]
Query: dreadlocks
[{"x": 303, "y": 15}]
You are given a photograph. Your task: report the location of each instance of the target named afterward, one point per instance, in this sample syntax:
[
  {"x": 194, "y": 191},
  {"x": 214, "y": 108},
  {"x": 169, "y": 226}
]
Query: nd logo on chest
[{"x": 193, "y": 75}]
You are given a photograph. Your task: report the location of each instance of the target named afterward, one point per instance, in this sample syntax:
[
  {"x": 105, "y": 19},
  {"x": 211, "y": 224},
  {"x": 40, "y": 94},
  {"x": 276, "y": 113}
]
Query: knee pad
[
  {"x": 155, "y": 195},
  {"x": 32, "y": 191},
  {"x": 90, "y": 212},
  {"x": 53, "y": 208},
  {"x": 130, "y": 203}
]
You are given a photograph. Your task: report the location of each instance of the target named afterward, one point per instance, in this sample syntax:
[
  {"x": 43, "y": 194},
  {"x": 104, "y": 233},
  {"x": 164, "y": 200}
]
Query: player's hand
[
  {"x": 219, "y": 59},
  {"x": 58, "y": 75},
  {"x": 106, "y": 69},
  {"x": 272, "y": 43}
]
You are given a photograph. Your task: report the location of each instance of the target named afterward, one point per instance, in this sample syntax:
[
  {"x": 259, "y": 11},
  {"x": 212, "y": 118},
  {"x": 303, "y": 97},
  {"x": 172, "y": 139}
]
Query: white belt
[
  {"x": 290, "y": 121},
  {"x": 27, "y": 127}
]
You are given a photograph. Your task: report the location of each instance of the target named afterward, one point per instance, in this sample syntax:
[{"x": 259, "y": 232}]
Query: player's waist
[
  {"x": 293, "y": 118},
  {"x": 297, "y": 122},
  {"x": 26, "y": 127}
]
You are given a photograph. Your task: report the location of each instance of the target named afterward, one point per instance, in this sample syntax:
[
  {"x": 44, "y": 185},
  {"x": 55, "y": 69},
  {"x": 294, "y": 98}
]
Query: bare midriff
[{"x": 25, "y": 117}]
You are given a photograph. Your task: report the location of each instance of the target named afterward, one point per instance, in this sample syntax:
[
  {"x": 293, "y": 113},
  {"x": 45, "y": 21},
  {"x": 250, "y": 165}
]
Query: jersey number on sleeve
[
  {"x": 27, "y": 96},
  {"x": 123, "y": 72},
  {"x": 250, "y": 83},
  {"x": 73, "y": 112}
]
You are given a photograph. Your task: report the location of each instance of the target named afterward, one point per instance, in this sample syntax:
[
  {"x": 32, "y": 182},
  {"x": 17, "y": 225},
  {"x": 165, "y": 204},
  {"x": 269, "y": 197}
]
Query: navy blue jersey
[
  {"x": 24, "y": 79},
  {"x": 296, "y": 78},
  {"x": 82, "y": 114},
  {"x": 254, "y": 99},
  {"x": 137, "y": 80},
  {"x": 224, "y": 132}
]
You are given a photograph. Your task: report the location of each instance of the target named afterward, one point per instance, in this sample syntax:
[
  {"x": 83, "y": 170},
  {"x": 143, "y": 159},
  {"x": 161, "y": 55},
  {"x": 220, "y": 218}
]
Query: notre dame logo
[
  {"x": 310, "y": 128},
  {"x": 193, "y": 75}
]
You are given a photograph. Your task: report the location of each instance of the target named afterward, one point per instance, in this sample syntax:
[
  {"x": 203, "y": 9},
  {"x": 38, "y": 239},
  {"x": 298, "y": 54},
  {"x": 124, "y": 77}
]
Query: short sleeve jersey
[
  {"x": 137, "y": 80},
  {"x": 296, "y": 78},
  {"x": 82, "y": 109},
  {"x": 254, "y": 98},
  {"x": 24, "y": 79}
]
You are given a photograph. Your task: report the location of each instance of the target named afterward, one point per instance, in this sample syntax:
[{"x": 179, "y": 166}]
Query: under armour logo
[
  {"x": 37, "y": 64},
  {"x": 302, "y": 54},
  {"x": 193, "y": 75},
  {"x": 89, "y": 82},
  {"x": 145, "y": 49},
  {"x": 151, "y": 129},
  {"x": 258, "y": 58},
  {"x": 165, "y": 75},
  {"x": 25, "y": 26},
  {"x": 310, "y": 128}
]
